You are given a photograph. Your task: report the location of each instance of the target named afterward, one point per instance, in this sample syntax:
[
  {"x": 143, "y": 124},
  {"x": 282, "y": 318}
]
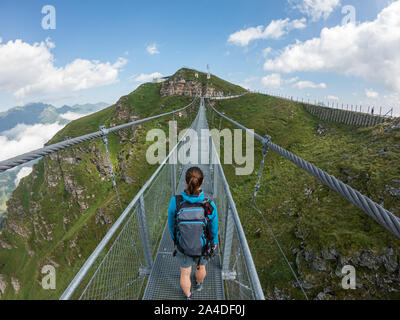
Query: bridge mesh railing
[
  {"x": 118, "y": 276},
  {"x": 240, "y": 277},
  {"x": 241, "y": 281},
  {"x": 122, "y": 271},
  {"x": 156, "y": 201},
  {"x": 238, "y": 288},
  {"x": 118, "y": 269}
]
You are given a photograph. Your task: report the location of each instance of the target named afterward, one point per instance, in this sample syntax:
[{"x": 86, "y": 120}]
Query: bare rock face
[
  {"x": 16, "y": 285},
  {"x": 212, "y": 92},
  {"x": 121, "y": 112},
  {"x": 102, "y": 218},
  {"x": 17, "y": 227},
  {"x": 5, "y": 245},
  {"x": 280, "y": 294},
  {"x": 380, "y": 270},
  {"x": 3, "y": 285},
  {"x": 178, "y": 86}
]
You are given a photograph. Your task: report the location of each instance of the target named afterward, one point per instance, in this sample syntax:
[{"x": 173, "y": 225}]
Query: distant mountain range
[
  {"x": 34, "y": 113},
  {"x": 31, "y": 114}
]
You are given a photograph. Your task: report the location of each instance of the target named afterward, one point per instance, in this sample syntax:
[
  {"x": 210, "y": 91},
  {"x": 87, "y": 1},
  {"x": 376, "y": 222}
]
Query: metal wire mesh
[
  {"x": 238, "y": 285},
  {"x": 118, "y": 276},
  {"x": 157, "y": 199},
  {"x": 240, "y": 278}
]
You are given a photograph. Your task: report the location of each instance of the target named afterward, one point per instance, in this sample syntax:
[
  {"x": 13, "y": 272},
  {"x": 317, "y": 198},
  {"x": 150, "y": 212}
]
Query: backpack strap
[
  {"x": 178, "y": 203},
  {"x": 208, "y": 209}
]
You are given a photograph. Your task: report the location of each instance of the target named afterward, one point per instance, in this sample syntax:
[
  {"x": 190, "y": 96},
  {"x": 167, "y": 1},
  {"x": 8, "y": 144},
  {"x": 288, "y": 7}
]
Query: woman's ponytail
[{"x": 194, "y": 180}]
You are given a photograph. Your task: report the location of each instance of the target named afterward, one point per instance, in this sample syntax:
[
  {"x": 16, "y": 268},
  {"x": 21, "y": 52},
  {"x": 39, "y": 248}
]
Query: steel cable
[
  {"x": 36, "y": 154},
  {"x": 384, "y": 217}
]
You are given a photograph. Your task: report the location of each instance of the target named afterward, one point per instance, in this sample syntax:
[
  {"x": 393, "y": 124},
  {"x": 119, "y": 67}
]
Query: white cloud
[
  {"x": 309, "y": 84},
  {"x": 273, "y": 80},
  {"x": 392, "y": 100},
  {"x": 332, "y": 98},
  {"x": 275, "y": 30},
  {"x": 50, "y": 45},
  {"x": 24, "y": 138},
  {"x": 71, "y": 116},
  {"x": 316, "y": 9},
  {"x": 148, "y": 77},
  {"x": 292, "y": 80},
  {"x": 369, "y": 50},
  {"x": 266, "y": 51},
  {"x": 152, "y": 49},
  {"x": 24, "y": 172},
  {"x": 28, "y": 70},
  {"x": 370, "y": 93}
]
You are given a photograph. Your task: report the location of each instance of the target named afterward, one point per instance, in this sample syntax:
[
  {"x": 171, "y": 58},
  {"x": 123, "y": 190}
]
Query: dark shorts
[{"x": 187, "y": 262}]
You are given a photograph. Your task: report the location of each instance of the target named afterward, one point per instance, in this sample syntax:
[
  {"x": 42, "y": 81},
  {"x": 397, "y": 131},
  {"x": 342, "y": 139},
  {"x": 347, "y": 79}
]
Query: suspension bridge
[{"x": 135, "y": 259}]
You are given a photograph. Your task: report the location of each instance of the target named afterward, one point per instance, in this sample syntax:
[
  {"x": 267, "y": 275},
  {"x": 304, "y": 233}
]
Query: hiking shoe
[
  {"x": 198, "y": 286},
  {"x": 186, "y": 297}
]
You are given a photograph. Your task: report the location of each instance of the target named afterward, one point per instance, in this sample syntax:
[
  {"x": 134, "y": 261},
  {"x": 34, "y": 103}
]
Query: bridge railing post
[
  {"x": 210, "y": 147},
  {"x": 215, "y": 182},
  {"x": 144, "y": 235},
  {"x": 228, "y": 238},
  {"x": 173, "y": 178}
]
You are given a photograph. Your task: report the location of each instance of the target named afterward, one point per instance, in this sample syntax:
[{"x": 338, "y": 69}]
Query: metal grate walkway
[
  {"x": 139, "y": 241},
  {"x": 163, "y": 283}
]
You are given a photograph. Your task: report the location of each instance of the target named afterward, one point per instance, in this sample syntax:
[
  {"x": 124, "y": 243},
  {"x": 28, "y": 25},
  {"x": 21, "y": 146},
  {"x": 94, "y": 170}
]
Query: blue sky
[{"x": 98, "y": 49}]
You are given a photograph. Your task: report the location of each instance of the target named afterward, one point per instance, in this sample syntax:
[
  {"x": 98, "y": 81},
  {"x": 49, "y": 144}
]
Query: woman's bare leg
[
  {"x": 185, "y": 280},
  {"x": 200, "y": 273}
]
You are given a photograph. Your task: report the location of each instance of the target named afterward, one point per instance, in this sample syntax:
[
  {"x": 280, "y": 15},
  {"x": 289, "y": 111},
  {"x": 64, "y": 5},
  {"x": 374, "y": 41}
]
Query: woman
[{"x": 182, "y": 226}]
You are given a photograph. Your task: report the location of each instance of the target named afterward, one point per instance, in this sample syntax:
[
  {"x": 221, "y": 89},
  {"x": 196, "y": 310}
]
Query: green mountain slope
[
  {"x": 320, "y": 231},
  {"x": 62, "y": 210},
  {"x": 59, "y": 213}
]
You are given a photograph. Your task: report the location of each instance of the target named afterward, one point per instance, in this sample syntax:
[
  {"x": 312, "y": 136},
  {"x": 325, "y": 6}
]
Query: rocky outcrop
[
  {"x": 16, "y": 285},
  {"x": 102, "y": 218},
  {"x": 3, "y": 284},
  {"x": 394, "y": 188},
  {"x": 178, "y": 86},
  {"x": 377, "y": 273},
  {"x": 5, "y": 245}
]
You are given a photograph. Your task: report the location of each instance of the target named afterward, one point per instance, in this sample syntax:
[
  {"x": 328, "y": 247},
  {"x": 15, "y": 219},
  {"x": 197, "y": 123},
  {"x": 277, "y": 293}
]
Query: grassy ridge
[
  {"x": 301, "y": 210},
  {"x": 219, "y": 84}
]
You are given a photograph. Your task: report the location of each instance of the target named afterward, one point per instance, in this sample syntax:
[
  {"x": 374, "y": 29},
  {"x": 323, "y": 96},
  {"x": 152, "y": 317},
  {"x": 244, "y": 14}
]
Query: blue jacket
[{"x": 193, "y": 199}]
